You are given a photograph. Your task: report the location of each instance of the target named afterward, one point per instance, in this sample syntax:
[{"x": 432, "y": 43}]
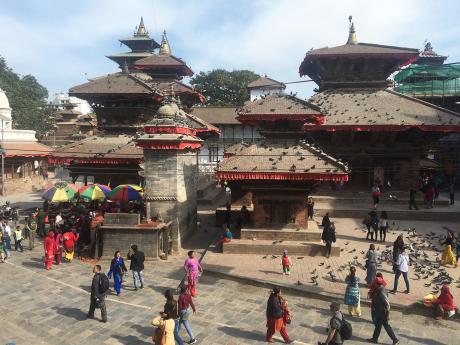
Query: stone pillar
[
  {"x": 171, "y": 170},
  {"x": 170, "y": 189}
]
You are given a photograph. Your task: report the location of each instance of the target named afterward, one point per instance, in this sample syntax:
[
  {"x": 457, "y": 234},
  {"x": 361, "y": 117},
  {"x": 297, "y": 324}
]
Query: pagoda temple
[
  {"x": 383, "y": 134},
  {"x": 274, "y": 176},
  {"x": 123, "y": 103}
]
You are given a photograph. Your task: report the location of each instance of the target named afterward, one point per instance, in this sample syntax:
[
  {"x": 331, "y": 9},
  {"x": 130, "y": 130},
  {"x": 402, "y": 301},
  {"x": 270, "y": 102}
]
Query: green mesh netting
[{"x": 429, "y": 80}]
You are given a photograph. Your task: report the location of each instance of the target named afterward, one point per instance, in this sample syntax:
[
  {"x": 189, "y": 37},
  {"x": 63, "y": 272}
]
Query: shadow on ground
[
  {"x": 238, "y": 333},
  {"x": 73, "y": 313},
  {"x": 131, "y": 340}
]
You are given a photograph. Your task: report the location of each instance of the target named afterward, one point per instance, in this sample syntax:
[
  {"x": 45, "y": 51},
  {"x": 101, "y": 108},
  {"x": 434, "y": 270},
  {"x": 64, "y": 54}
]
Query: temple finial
[
  {"x": 352, "y": 39},
  {"x": 141, "y": 31},
  {"x": 165, "y": 49}
]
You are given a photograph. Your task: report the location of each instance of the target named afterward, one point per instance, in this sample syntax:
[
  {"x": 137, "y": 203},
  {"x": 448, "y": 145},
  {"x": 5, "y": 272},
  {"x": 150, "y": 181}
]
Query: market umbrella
[
  {"x": 125, "y": 192},
  {"x": 60, "y": 192},
  {"x": 94, "y": 191}
]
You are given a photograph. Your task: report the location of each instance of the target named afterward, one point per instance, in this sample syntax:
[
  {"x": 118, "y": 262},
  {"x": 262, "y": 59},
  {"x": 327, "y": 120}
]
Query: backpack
[
  {"x": 103, "y": 283},
  {"x": 346, "y": 331}
]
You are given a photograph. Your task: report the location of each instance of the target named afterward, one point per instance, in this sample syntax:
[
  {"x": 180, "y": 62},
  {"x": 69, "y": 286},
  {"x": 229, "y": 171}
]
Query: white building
[
  {"x": 25, "y": 159},
  {"x": 265, "y": 86},
  {"x": 8, "y": 134},
  {"x": 80, "y": 105}
]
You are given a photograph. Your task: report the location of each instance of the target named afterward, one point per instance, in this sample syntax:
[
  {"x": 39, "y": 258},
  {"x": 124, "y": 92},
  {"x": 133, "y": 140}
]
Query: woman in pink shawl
[
  {"x": 193, "y": 268},
  {"x": 50, "y": 250}
]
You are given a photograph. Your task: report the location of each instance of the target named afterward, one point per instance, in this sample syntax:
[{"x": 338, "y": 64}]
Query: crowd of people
[
  {"x": 175, "y": 313},
  {"x": 65, "y": 228}
]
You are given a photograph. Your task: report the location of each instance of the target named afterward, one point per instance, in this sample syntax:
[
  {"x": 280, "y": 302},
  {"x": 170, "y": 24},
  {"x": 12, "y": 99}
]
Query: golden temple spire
[
  {"x": 165, "y": 49},
  {"x": 141, "y": 31},
  {"x": 352, "y": 39}
]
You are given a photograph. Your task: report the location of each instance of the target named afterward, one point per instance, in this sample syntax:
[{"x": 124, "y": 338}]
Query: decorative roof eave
[
  {"x": 399, "y": 56},
  {"x": 162, "y": 145},
  {"x": 154, "y": 129},
  {"x": 91, "y": 160},
  {"x": 251, "y": 118},
  {"x": 380, "y": 128},
  {"x": 280, "y": 176},
  {"x": 10, "y": 155},
  {"x": 184, "y": 71}
]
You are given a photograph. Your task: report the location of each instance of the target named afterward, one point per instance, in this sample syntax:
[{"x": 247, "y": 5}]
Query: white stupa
[{"x": 6, "y": 124}]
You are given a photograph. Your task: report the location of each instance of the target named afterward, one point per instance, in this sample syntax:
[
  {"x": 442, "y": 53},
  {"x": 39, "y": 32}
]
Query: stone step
[
  {"x": 284, "y": 234},
  {"x": 421, "y": 214},
  {"x": 266, "y": 247},
  {"x": 367, "y": 200},
  {"x": 212, "y": 196}
]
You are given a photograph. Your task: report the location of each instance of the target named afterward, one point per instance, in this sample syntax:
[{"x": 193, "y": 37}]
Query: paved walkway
[
  {"x": 49, "y": 307},
  {"x": 331, "y": 272}
]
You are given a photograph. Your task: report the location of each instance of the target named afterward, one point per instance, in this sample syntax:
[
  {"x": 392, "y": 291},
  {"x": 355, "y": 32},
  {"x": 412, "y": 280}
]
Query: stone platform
[
  {"x": 357, "y": 204},
  {"x": 273, "y": 240},
  {"x": 446, "y": 214},
  {"x": 286, "y": 233},
  {"x": 270, "y": 247}
]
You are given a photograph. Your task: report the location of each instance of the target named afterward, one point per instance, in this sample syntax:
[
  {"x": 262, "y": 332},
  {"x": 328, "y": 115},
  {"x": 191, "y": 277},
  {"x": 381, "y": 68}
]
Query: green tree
[
  {"x": 224, "y": 88},
  {"x": 27, "y": 99}
]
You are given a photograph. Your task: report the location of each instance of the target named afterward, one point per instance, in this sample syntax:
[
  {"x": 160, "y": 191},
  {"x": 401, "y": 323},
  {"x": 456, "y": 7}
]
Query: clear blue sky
[{"x": 64, "y": 42}]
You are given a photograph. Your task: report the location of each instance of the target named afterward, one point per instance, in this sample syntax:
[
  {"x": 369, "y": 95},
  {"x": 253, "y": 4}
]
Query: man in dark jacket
[
  {"x": 137, "y": 259},
  {"x": 328, "y": 237},
  {"x": 97, "y": 296},
  {"x": 382, "y": 315}
]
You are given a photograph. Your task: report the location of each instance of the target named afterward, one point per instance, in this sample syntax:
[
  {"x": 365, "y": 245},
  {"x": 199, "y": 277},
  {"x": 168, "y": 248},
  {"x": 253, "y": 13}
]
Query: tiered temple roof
[
  {"x": 133, "y": 84},
  {"x": 279, "y": 107},
  {"x": 164, "y": 63},
  {"x": 114, "y": 149},
  {"x": 379, "y": 110},
  {"x": 275, "y": 161},
  {"x": 355, "y": 64},
  {"x": 353, "y": 90},
  {"x": 429, "y": 57},
  {"x": 266, "y": 83},
  {"x": 141, "y": 46}
]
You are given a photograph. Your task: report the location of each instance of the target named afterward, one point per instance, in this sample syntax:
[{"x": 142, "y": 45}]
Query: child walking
[{"x": 286, "y": 262}]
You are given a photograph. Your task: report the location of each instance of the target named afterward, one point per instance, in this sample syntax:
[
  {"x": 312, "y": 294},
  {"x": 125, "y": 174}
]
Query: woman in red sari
[
  {"x": 58, "y": 241},
  {"x": 276, "y": 321},
  {"x": 69, "y": 239},
  {"x": 444, "y": 304},
  {"x": 50, "y": 249}
]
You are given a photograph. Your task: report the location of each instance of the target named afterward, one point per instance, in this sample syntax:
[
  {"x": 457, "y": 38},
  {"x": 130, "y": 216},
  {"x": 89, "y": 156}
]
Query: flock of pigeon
[{"x": 424, "y": 252}]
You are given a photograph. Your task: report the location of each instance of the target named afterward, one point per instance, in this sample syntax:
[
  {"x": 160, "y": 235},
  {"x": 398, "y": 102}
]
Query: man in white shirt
[
  {"x": 402, "y": 267},
  {"x": 6, "y": 239}
]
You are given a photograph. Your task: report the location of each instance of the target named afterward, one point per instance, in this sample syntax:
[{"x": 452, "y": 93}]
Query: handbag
[
  {"x": 159, "y": 337},
  {"x": 186, "y": 314}
]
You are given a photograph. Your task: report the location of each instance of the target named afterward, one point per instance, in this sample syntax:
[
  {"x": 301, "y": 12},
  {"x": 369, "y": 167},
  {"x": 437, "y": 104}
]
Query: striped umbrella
[
  {"x": 125, "y": 192},
  {"x": 94, "y": 191},
  {"x": 60, "y": 192}
]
